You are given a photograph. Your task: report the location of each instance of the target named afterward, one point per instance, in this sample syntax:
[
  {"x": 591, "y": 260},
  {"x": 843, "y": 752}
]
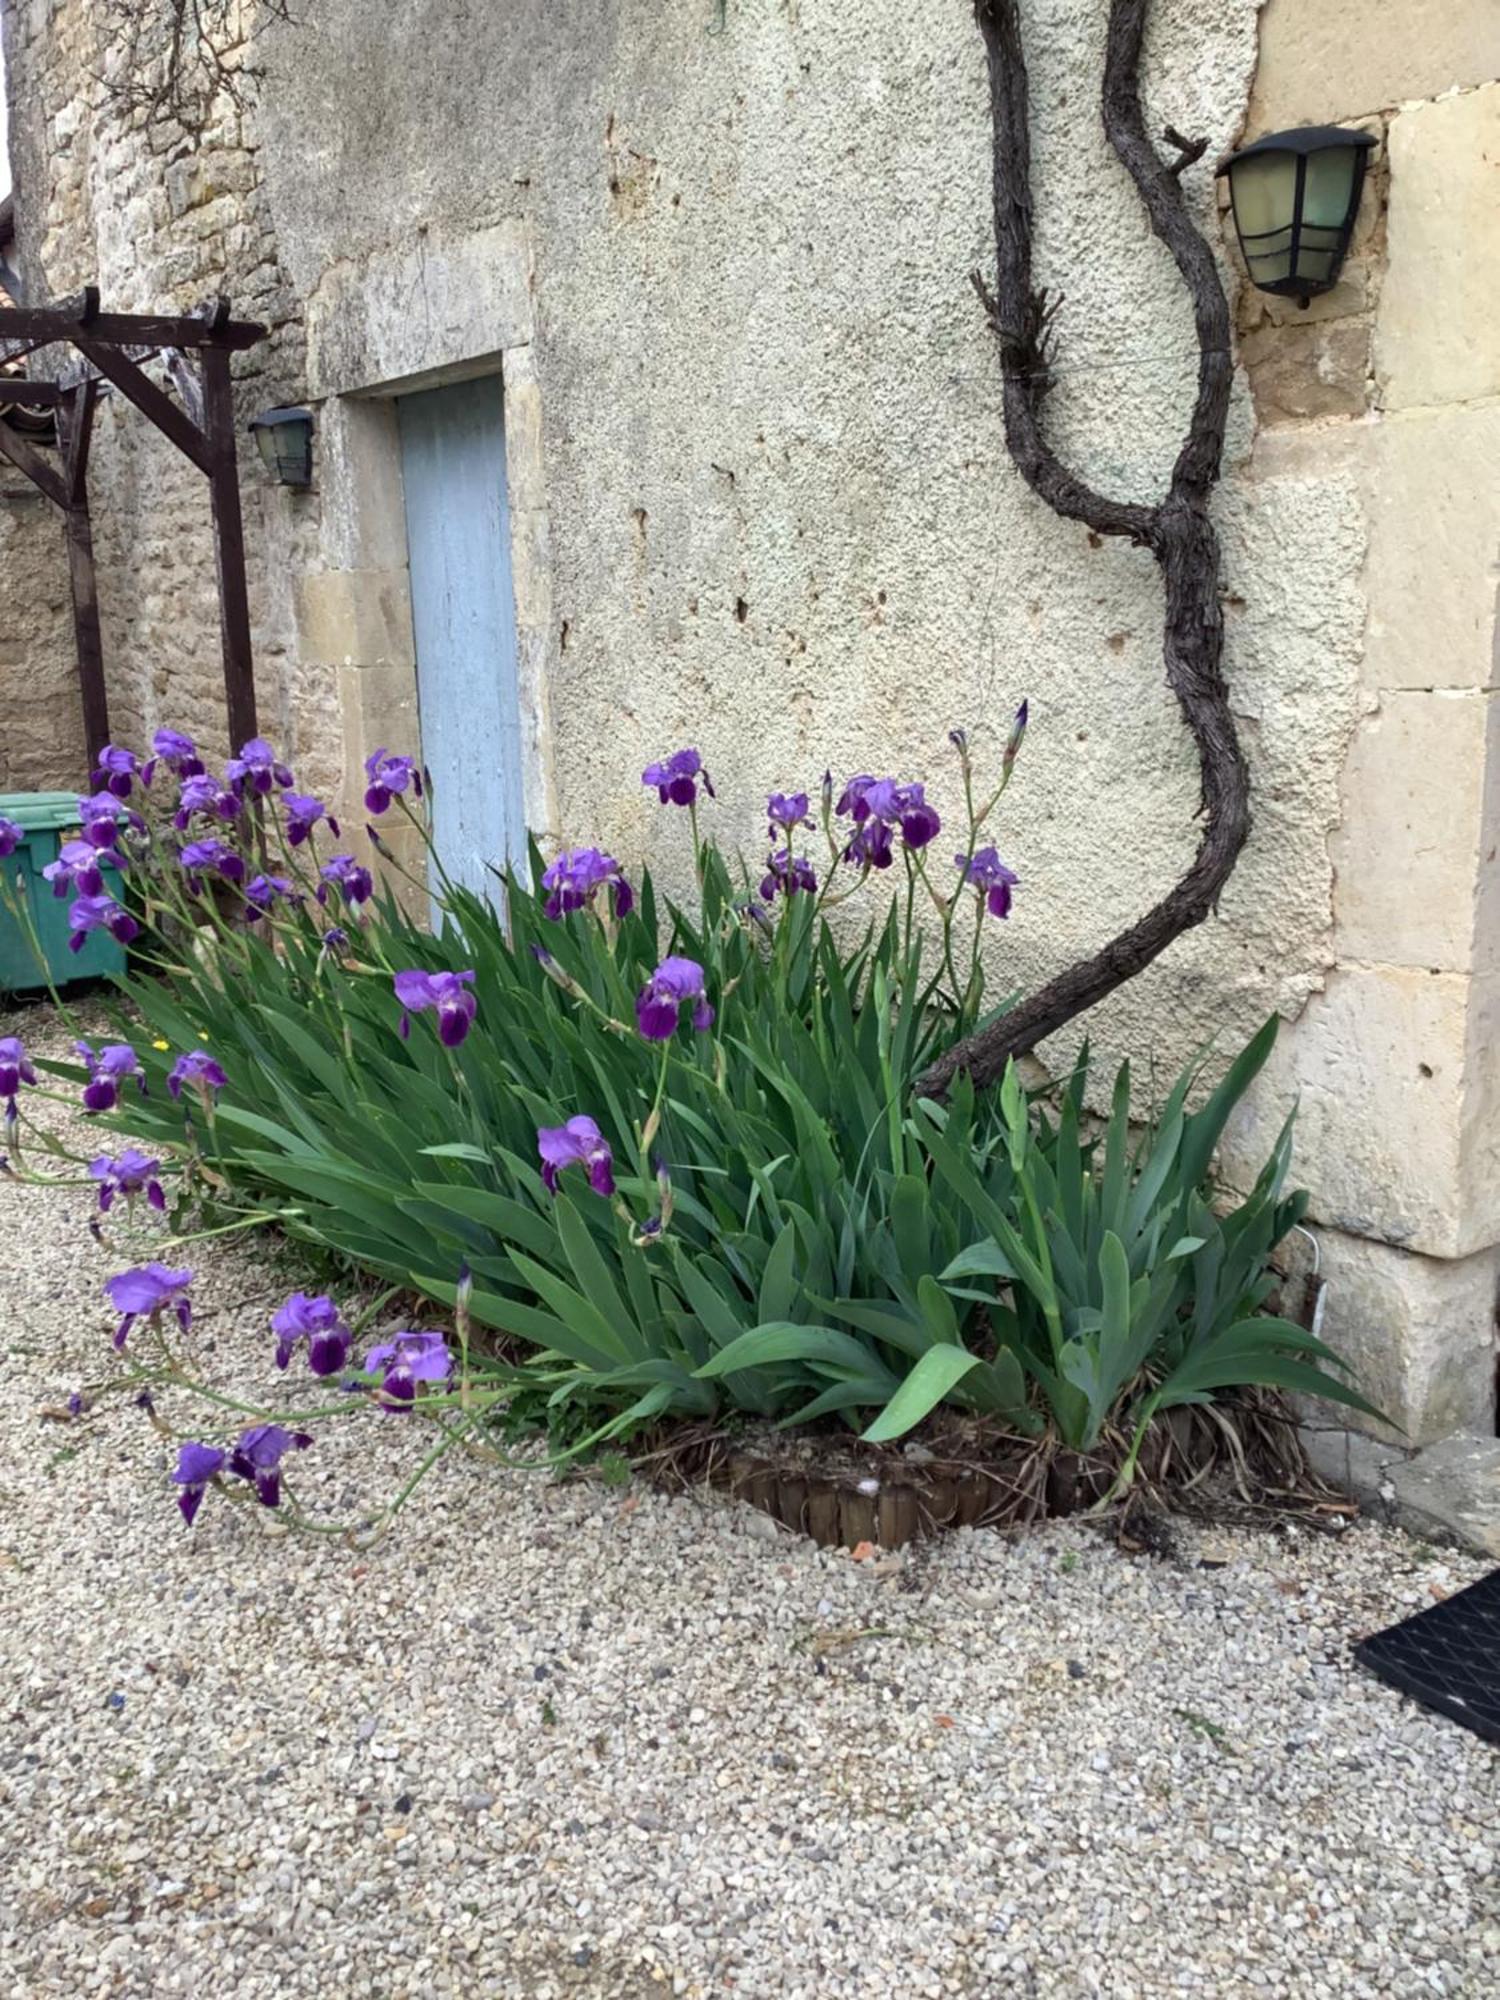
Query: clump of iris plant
[
  {"x": 675, "y": 984},
  {"x": 577, "y": 1143},
  {"x": 447, "y": 994}
]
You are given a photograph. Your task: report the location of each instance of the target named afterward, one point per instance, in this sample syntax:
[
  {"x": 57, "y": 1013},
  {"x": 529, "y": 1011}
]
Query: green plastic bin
[{"x": 49, "y": 818}]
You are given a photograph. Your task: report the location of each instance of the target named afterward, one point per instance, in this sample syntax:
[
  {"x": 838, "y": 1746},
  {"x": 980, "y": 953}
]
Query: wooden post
[
  {"x": 229, "y": 546},
  {"x": 86, "y": 634},
  {"x": 75, "y": 418}
]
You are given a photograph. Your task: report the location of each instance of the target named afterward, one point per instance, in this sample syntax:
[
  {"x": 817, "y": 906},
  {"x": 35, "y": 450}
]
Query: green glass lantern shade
[
  {"x": 284, "y": 439},
  {"x": 1295, "y": 197}
]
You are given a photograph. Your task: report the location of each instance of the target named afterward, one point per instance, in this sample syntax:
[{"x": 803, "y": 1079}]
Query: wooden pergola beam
[{"x": 111, "y": 346}]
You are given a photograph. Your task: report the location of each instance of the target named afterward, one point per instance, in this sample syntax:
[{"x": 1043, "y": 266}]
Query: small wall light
[
  {"x": 284, "y": 439},
  {"x": 1295, "y": 197}
]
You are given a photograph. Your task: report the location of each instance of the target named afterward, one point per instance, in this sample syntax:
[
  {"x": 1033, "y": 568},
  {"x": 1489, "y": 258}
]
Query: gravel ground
[{"x": 562, "y": 1739}]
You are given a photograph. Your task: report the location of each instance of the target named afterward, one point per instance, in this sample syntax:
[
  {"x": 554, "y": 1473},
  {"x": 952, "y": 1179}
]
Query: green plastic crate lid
[{"x": 40, "y": 812}]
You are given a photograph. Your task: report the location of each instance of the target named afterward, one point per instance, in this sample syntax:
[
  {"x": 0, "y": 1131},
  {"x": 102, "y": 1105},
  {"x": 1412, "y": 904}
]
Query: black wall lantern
[
  {"x": 1295, "y": 197},
  {"x": 284, "y": 439}
]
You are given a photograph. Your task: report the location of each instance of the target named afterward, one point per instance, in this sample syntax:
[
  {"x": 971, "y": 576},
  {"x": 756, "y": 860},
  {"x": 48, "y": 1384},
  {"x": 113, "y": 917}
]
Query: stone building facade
[{"x": 759, "y": 496}]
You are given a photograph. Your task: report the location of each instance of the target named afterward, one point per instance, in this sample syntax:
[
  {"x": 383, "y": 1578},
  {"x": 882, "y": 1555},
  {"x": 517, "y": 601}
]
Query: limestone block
[
  {"x": 1321, "y": 369},
  {"x": 1432, "y": 500},
  {"x": 420, "y": 311},
  {"x": 1377, "y": 1066},
  {"x": 1410, "y": 853},
  {"x": 1435, "y": 326},
  {"x": 355, "y": 615},
  {"x": 1322, "y": 59},
  {"x": 1418, "y": 1333}
]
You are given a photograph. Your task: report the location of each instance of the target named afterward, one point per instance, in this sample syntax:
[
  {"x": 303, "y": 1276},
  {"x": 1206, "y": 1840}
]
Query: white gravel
[{"x": 567, "y": 1740}]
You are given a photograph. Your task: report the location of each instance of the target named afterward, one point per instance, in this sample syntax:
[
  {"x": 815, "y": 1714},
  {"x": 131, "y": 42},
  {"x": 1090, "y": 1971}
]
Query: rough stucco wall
[{"x": 782, "y": 520}]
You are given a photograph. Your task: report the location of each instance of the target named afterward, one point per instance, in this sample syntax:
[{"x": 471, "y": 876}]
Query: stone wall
[
  {"x": 1392, "y": 383},
  {"x": 41, "y": 718},
  {"x": 762, "y": 500}
]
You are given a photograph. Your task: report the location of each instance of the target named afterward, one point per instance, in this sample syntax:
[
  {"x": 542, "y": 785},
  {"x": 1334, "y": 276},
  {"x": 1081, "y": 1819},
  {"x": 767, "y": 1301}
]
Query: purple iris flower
[
  {"x": 257, "y": 1456},
  {"x": 303, "y": 814},
  {"x": 660, "y": 1001},
  {"x": 676, "y": 778},
  {"x": 787, "y": 873},
  {"x": 851, "y": 803},
  {"x": 264, "y": 892},
  {"x": 110, "y": 1069},
  {"x": 199, "y": 1069},
  {"x": 131, "y": 1174},
  {"x": 388, "y": 776},
  {"x": 318, "y": 1322},
  {"x": 447, "y": 992},
  {"x": 79, "y": 867},
  {"x": 103, "y": 816},
  {"x": 11, "y": 836},
  {"x": 404, "y": 1362},
  {"x": 878, "y": 804},
  {"x": 574, "y": 880},
  {"x": 871, "y": 845},
  {"x": 15, "y": 1069},
  {"x": 204, "y": 794},
  {"x": 99, "y": 913},
  {"x": 117, "y": 768},
  {"x": 146, "y": 1293},
  {"x": 353, "y": 881},
  {"x": 256, "y": 769},
  {"x": 178, "y": 752},
  {"x": 197, "y": 1464},
  {"x": 786, "y": 810},
  {"x": 987, "y": 873},
  {"x": 335, "y": 938},
  {"x": 210, "y": 857},
  {"x": 578, "y": 1143},
  {"x": 919, "y": 821}
]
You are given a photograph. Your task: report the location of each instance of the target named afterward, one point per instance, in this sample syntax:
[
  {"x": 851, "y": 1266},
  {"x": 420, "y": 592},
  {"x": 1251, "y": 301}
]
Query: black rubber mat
[{"x": 1447, "y": 1658}]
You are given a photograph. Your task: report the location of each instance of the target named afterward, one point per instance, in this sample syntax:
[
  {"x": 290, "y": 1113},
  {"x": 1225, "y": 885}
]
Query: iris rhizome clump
[{"x": 608, "y": 1158}]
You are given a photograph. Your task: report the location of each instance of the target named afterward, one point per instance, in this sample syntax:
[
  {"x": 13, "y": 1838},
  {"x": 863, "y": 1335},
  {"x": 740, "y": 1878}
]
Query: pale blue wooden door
[{"x": 464, "y": 615}]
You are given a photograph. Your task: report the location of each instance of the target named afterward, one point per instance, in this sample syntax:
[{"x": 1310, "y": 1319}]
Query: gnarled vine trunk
[{"x": 1176, "y": 528}]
